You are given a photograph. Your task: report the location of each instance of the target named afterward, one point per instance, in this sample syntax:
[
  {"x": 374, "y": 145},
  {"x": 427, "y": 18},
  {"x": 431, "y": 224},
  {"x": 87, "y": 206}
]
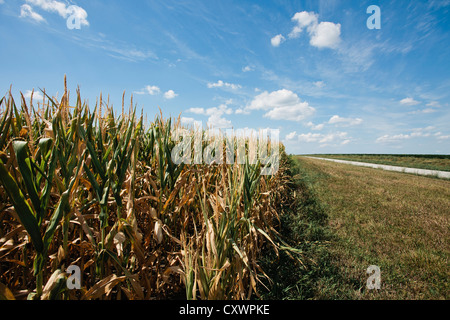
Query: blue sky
[{"x": 311, "y": 69}]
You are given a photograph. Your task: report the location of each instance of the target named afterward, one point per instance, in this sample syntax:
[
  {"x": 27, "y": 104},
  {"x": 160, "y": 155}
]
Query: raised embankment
[{"x": 422, "y": 172}]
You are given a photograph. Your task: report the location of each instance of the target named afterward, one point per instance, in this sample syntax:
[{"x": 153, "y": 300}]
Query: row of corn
[{"x": 99, "y": 191}]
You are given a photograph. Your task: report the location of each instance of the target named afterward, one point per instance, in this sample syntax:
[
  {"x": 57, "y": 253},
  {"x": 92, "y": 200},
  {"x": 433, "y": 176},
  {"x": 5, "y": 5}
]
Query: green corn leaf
[
  {"x": 45, "y": 195},
  {"x": 61, "y": 210},
  {"x": 4, "y": 127},
  {"x": 98, "y": 167},
  {"x": 24, "y": 162},
  {"x": 38, "y": 263},
  {"x": 93, "y": 181},
  {"x": 22, "y": 208},
  {"x": 63, "y": 206}
]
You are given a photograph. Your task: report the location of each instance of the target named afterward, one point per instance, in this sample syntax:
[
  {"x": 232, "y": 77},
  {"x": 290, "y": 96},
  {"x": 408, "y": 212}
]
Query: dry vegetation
[{"x": 100, "y": 191}]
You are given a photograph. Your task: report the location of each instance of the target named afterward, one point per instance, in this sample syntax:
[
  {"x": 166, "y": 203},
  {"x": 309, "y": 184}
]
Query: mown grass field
[
  {"x": 355, "y": 217},
  {"x": 430, "y": 162}
]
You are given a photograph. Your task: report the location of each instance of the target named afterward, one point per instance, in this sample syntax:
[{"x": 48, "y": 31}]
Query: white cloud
[
  {"x": 434, "y": 104},
  {"x": 282, "y": 105},
  {"x": 222, "y": 109},
  {"x": 36, "y": 95},
  {"x": 218, "y": 122},
  {"x": 27, "y": 11},
  {"x": 344, "y": 122},
  {"x": 242, "y": 111},
  {"x": 247, "y": 69},
  {"x": 315, "y": 127},
  {"x": 425, "y": 111},
  {"x": 304, "y": 19},
  {"x": 334, "y": 137},
  {"x": 326, "y": 35},
  {"x": 277, "y": 40},
  {"x": 319, "y": 84},
  {"x": 151, "y": 90},
  {"x": 291, "y": 136},
  {"x": 322, "y": 35},
  {"x": 62, "y": 9},
  {"x": 196, "y": 110},
  {"x": 220, "y": 84},
  {"x": 216, "y": 119},
  {"x": 310, "y": 137},
  {"x": 155, "y": 90},
  {"x": 440, "y": 136},
  {"x": 394, "y": 138},
  {"x": 170, "y": 94},
  {"x": 409, "y": 102},
  {"x": 191, "y": 121},
  {"x": 416, "y": 133}
]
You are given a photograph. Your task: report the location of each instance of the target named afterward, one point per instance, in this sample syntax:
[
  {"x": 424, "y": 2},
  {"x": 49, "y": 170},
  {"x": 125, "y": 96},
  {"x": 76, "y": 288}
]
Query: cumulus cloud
[
  {"x": 196, "y": 110},
  {"x": 277, "y": 40},
  {"x": 242, "y": 111},
  {"x": 315, "y": 127},
  {"x": 191, "y": 122},
  {"x": 333, "y": 137},
  {"x": 247, "y": 69},
  {"x": 220, "y": 84},
  {"x": 326, "y": 35},
  {"x": 151, "y": 90},
  {"x": 170, "y": 94},
  {"x": 322, "y": 35},
  {"x": 222, "y": 109},
  {"x": 155, "y": 90},
  {"x": 291, "y": 136},
  {"x": 319, "y": 84},
  {"x": 36, "y": 95},
  {"x": 304, "y": 20},
  {"x": 216, "y": 119},
  {"x": 415, "y": 133},
  {"x": 26, "y": 11},
  {"x": 344, "y": 122},
  {"x": 281, "y": 105},
  {"x": 409, "y": 102},
  {"x": 61, "y": 9}
]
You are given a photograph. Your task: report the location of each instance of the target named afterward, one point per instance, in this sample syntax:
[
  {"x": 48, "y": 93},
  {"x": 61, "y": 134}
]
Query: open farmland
[
  {"x": 429, "y": 162},
  {"x": 395, "y": 221},
  {"x": 99, "y": 191}
]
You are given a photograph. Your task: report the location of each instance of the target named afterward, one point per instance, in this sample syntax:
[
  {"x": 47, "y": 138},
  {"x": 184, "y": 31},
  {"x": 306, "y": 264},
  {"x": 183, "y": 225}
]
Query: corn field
[{"x": 99, "y": 191}]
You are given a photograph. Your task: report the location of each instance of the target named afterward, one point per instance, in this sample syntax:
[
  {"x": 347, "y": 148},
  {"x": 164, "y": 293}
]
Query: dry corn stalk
[{"x": 102, "y": 192}]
